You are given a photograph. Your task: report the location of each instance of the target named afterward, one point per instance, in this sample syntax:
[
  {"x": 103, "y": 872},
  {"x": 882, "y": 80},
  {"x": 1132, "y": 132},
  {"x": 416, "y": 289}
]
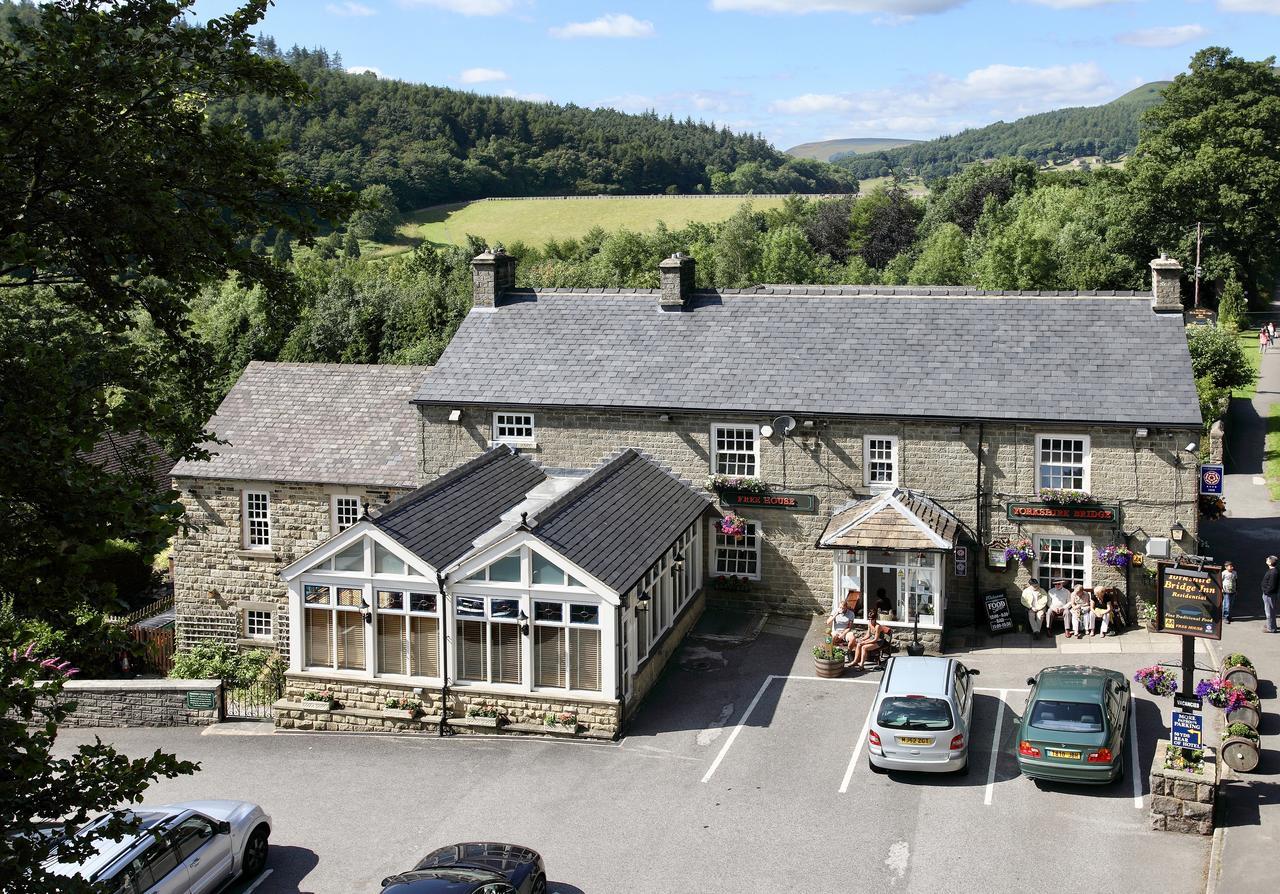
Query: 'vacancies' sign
[{"x": 1051, "y": 512}]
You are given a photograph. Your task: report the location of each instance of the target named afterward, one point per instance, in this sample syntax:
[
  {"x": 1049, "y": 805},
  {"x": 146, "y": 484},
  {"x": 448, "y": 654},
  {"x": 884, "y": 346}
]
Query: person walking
[
  {"x": 1270, "y": 587},
  {"x": 1263, "y": 340},
  {"x": 1228, "y": 589}
]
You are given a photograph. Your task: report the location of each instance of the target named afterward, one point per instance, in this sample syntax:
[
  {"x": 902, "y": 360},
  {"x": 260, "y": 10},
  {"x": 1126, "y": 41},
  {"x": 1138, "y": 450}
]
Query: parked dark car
[
  {"x": 474, "y": 867},
  {"x": 1075, "y": 725}
]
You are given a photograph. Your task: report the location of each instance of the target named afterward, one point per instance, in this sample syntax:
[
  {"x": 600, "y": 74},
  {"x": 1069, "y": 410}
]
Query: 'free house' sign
[
  {"x": 788, "y": 502},
  {"x": 1049, "y": 512}
]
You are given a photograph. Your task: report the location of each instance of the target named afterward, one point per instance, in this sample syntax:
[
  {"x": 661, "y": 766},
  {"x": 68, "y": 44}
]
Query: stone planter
[
  {"x": 559, "y": 729},
  {"x": 312, "y": 704},
  {"x": 399, "y": 714},
  {"x": 1249, "y": 715},
  {"x": 487, "y": 722},
  {"x": 1240, "y": 753},
  {"x": 1241, "y": 675},
  {"x": 828, "y": 668},
  {"x": 1181, "y": 801}
]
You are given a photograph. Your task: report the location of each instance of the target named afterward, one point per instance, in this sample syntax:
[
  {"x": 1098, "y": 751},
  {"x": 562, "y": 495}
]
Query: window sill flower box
[
  {"x": 736, "y": 484},
  {"x": 1060, "y": 496},
  {"x": 487, "y": 716},
  {"x": 402, "y": 709},
  {"x": 561, "y": 724},
  {"x": 731, "y": 583}
]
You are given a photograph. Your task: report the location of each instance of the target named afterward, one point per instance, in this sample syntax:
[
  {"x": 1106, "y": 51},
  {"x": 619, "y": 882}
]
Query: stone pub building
[{"x": 574, "y": 454}]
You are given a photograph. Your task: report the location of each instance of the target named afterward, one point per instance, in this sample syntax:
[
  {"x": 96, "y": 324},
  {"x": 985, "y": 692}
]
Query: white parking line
[
  {"x": 262, "y": 878},
  {"x": 1133, "y": 756},
  {"x": 746, "y": 715},
  {"x": 995, "y": 750},
  {"x": 857, "y": 750}
]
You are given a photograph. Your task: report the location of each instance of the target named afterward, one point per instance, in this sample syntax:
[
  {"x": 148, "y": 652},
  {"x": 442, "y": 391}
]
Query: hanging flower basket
[
  {"x": 1060, "y": 496},
  {"x": 733, "y": 525},
  {"x": 1157, "y": 680},
  {"x": 1020, "y": 550},
  {"x": 738, "y": 484},
  {"x": 1116, "y": 556},
  {"x": 1212, "y": 507}
]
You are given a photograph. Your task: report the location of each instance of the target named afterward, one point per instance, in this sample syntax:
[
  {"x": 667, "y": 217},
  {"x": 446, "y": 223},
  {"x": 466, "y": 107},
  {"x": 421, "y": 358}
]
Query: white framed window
[
  {"x": 566, "y": 645},
  {"x": 1064, "y": 558},
  {"x": 257, "y": 624},
  {"x": 1062, "y": 461},
  {"x": 516, "y": 429},
  {"x": 334, "y": 623},
  {"x": 407, "y": 632},
  {"x": 256, "y": 510},
  {"x": 489, "y": 643},
  {"x": 345, "y": 513},
  {"x": 737, "y": 556},
  {"x": 735, "y": 450},
  {"x": 896, "y": 584},
  {"x": 880, "y": 460},
  {"x": 645, "y": 608}
]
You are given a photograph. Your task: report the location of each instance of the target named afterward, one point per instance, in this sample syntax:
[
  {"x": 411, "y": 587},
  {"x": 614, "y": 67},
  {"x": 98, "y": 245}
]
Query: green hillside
[
  {"x": 827, "y": 150},
  {"x": 1108, "y": 132}
]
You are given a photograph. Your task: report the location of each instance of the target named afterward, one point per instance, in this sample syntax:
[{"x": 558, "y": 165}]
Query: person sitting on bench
[{"x": 870, "y": 644}]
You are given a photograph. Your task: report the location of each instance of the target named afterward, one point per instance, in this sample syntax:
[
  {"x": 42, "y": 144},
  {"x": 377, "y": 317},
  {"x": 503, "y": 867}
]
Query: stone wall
[
  {"x": 215, "y": 579},
  {"x": 1151, "y": 478},
  {"x": 361, "y": 704},
  {"x": 140, "y": 702},
  {"x": 1183, "y": 802}
]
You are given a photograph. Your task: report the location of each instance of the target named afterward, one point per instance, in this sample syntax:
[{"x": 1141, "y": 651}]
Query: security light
[
  {"x": 642, "y": 602},
  {"x": 1192, "y": 448},
  {"x": 766, "y": 430},
  {"x": 455, "y": 415}
]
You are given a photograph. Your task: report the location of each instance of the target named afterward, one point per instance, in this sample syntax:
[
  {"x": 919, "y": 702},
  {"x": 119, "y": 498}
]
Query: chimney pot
[
  {"x": 677, "y": 276},
  {"x": 1166, "y": 285},
  {"x": 493, "y": 273}
]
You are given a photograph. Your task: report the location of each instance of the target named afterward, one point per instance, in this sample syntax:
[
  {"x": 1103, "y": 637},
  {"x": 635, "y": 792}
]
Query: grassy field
[
  {"x": 1271, "y": 453},
  {"x": 535, "y": 221},
  {"x": 1248, "y": 339}
]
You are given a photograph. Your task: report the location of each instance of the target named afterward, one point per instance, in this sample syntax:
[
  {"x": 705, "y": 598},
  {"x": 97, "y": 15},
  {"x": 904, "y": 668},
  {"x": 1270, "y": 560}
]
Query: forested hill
[
  {"x": 1109, "y": 131},
  {"x": 432, "y": 145}
]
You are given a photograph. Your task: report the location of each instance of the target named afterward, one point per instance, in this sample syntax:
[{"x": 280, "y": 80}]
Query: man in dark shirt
[{"x": 1270, "y": 588}]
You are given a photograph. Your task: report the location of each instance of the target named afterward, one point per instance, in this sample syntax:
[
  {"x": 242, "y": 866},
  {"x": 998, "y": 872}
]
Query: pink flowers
[
  {"x": 733, "y": 525},
  {"x": 1157, "y": 680},
  {"x": 1223, "y": 694},
  {"x": 1115, "y": 556}
]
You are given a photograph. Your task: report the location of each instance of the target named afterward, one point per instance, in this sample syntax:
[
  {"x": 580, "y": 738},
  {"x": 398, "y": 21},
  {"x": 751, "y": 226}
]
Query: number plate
[
  {"x": 1065, "y": 755},
  {"x": 914, "y": 740}
]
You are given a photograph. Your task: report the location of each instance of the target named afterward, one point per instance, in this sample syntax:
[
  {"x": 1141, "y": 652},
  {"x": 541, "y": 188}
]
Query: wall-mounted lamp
[
  {"x": 642, "y": 602},
  {"x": 524, "y": 622},
  {"x": 1193, "y": 448},
  {"x": 677, "y": 563},
  {"x": 455, "y": 415},
  {"x": 1177, "y": 531},
  {"x": 365, "y": 611}
]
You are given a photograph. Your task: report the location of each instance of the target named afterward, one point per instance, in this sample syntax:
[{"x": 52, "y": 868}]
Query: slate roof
[
  {"x": 440, "y": 521},
  {"x": 620, "y": 519},
  {"x": 890, "y": 520},
  {"x": 944, "y": 353},
  {"x": 118, "y": 452},
  {"x": 330, "y": 423}
]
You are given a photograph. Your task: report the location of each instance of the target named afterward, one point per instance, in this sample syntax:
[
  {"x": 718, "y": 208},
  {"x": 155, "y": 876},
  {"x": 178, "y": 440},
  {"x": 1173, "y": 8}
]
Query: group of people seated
[
  {"x": 1081, "y": 611},
  {"x": 861, "y": 645}
]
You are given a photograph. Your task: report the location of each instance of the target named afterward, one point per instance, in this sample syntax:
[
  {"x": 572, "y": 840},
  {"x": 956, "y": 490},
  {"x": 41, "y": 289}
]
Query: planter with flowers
[
  {"x": 1239, "y": 704},
  {"x": 1240, "y": 747},
  {"x": 318, "y": 700},
  {"x": 484, "y": 714},
  {"x": 736, "y": 484},
  {"x": 561, "y": 723},
  {"x": 1212, "y": 507},
  {"x": 1147, "y": 614},
  {"x": 1116, "y": 556},
  {"x": 731, "y": 583},
  {"x": 1237, "y": 668},
  {"x": 1157, "y": 680},
  {"x": 402, "y": 709},
  {"x": 1020, "y": 550},
  {"x": 828, "y": 659},
  {"x": 1061, "y": 496},
  {"x": 732, "y": 525}
]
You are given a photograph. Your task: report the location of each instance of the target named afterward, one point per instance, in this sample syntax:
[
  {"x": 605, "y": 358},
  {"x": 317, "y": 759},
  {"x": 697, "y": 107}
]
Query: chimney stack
[
  {"x": 1166, "y": 285},
  {"x": 676, "y": 273},
  {"x": 493, "y": 274}
]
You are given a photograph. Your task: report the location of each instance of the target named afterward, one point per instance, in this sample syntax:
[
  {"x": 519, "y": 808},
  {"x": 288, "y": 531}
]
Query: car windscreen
[
  {"x": 914, "y": 712},
  {"x": 1067, "y": 717}
]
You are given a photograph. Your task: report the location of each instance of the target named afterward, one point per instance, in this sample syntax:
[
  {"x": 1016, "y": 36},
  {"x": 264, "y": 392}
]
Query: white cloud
[
  {"x": 350, "y": 8},
  {"x": 1163, "y": 35},
  {"x": 611, "y": 25},
  {"x": 1270, "y": 7},
  {"x": 364, "y": 69},
  {"x": 482, "y": 75},
  {"x": 468, "y": 7},
  {"x": 531, "y": 97},
  {"x": 900, "y": 8},
  {"x": 811, "y": 104},
  {"x": 1076, "y": 4}
]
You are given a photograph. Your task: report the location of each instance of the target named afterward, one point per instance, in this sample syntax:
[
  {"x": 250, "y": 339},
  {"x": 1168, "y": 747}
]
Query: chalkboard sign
[
  {"x": 998, "y": 618},
  {"x": 1190, "y": 601}
]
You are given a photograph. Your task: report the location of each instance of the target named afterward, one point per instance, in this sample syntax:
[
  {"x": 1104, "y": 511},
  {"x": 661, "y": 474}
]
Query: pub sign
[
  {"x": 786, "y": 502},
  {"x": 1052, "y": 512},
  {"x": 1189, "y": 601}
]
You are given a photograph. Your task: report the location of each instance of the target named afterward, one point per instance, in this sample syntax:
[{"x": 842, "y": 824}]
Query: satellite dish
[{"x": 786, "y": 423}]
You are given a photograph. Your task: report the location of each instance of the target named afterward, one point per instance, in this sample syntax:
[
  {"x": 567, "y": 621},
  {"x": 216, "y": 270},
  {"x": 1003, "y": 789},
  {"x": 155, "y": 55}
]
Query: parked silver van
[{"x": 921, "y": 716}]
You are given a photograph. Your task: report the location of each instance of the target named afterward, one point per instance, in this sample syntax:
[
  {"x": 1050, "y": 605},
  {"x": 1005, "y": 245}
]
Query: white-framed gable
[
  {"x": 890, "y": 499},
  {"x": 363, "y": 530},
  {"x": 524, "y": 543}
]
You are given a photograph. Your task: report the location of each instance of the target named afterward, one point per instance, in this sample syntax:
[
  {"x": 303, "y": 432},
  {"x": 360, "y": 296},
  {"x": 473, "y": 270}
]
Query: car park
[
  {"x": 474, "y": 867},
  {"x": 188, "y": 848},
  {"x": 921, "y": 716},
  {"x": 1074, "y": 726}
]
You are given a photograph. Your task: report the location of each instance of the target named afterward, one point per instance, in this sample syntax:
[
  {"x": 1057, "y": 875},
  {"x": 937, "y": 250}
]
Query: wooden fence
[
  {"x": 156, "y": 656},
  {"x": 163, "y": 604}
]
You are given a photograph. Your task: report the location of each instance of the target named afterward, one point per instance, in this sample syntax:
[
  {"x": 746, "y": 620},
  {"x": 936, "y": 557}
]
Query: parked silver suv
[{"x": 920, "y": 719}]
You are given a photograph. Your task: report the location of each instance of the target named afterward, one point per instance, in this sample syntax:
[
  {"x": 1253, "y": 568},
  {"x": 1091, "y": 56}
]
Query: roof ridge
[
  {"x": 494, "y": 453},
  {"x": 606, "y": 468}
]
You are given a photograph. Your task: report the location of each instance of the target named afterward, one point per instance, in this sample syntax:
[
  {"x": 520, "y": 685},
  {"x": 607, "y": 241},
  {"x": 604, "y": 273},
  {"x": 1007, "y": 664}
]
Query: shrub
[
  {"x": 1238, "y": 659},
  {"x": 1232, "y": 308},
  {"x": 1240, "y": 731},
  {"x": 1216, "y": 354},
  {"x": 222, "y": 661}
]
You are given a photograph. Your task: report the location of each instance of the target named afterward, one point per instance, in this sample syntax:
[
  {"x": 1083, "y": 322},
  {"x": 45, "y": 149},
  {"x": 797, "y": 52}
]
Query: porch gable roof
[{"x": 895, "y": 519}]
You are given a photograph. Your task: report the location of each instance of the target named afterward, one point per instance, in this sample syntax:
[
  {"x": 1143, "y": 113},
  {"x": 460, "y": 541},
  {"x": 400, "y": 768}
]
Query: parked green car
[{"x": 1074, "y": 726}]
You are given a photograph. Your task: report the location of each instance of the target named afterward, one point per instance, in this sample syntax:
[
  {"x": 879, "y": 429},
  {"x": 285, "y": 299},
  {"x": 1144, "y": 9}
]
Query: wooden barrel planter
[
  {"x": 1249, "y": 715},
  {"x": 1240, "y": 748},
  {"x": 1238, "y": 669},
  {"x": 829, "y": 668}
]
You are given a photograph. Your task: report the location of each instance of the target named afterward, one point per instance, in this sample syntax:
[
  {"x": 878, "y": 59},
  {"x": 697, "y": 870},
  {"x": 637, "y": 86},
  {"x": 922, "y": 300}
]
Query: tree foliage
[{"x": 1216, "y": 355}]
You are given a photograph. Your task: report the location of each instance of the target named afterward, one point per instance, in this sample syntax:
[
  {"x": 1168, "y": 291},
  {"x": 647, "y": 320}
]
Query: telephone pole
[{"x": 1197, "y": 265}]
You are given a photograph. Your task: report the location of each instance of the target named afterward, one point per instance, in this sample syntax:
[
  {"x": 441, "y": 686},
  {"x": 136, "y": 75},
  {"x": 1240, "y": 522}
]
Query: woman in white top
[{"x": 842, "y": 621}]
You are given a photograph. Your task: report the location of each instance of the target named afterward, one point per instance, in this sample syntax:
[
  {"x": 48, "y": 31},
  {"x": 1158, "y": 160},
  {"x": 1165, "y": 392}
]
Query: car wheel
[
  {"x": 540, "y": 885},
  {"x": 874, "y": 769},
  {"x": 255, "y": 853}
]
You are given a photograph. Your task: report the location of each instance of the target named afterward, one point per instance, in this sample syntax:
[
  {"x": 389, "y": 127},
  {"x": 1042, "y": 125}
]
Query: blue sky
[{"x": 794, "y": 70}]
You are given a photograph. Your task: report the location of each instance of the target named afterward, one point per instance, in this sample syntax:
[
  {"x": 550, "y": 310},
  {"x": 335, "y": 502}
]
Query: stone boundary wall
[
  {"x": 746, "y": 197},
  {"x": 1183, "y": 802},
  {"x": 120, "y": 703}
]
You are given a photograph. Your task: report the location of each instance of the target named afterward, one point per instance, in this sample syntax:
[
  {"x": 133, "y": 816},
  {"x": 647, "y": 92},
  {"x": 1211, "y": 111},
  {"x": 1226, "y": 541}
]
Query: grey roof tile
[
  {"x": 316, "y": 422},
  {"x": 857, "y": 351}
]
